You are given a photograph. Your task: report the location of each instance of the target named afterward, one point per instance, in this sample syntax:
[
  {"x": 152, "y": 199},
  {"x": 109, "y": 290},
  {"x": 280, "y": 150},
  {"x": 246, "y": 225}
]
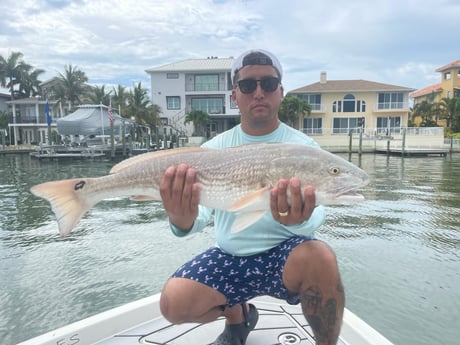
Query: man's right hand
[{"x": 181, "y": 195}]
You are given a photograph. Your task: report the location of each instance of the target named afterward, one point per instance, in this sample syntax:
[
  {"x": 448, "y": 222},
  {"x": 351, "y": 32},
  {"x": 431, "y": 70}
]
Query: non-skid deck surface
[{"x": 282, "y": 325}]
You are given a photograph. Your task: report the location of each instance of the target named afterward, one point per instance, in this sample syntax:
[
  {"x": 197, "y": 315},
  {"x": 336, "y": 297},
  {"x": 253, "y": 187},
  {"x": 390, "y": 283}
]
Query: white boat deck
[{"x": 140, "y": 322}]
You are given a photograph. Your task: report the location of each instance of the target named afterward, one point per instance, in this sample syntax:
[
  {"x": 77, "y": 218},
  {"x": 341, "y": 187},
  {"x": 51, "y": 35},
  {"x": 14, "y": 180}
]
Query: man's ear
[{"x": 234, "y": 96}]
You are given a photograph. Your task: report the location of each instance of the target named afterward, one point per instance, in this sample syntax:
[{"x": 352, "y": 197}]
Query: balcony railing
[{"x": 391, "y": 106}]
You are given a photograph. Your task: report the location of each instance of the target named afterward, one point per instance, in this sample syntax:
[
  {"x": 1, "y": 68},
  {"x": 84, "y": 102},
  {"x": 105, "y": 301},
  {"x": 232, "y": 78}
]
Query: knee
[
  {"x": 169, "y": 305},
  {"x": 314, "y": 255}
]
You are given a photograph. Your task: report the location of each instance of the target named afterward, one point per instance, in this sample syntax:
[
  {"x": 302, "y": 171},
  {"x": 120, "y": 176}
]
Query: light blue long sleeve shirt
[{"x": 265, "y": 233}]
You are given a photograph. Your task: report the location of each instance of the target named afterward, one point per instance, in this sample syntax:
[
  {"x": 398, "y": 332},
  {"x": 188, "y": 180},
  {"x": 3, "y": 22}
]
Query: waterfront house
[
  {"x": 448, "y": 87},
  {"x": 195, "y": 84},
  {"x": 29, "y": 124},
  {"x": 341, "y": 107}
]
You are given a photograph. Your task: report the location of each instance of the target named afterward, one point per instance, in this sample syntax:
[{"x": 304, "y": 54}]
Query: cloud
[{"x": 114, "y": 42}]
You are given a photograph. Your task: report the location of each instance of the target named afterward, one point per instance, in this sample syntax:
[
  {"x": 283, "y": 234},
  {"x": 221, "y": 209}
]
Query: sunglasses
[{"x": 268, "y": 84}]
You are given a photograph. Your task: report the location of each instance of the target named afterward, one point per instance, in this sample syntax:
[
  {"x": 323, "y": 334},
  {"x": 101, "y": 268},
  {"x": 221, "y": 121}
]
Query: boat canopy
[{"x": 91, "y": 120}]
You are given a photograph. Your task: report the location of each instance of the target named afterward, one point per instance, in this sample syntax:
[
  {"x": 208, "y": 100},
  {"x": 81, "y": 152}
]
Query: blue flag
[{"x": 47, "y": 112}]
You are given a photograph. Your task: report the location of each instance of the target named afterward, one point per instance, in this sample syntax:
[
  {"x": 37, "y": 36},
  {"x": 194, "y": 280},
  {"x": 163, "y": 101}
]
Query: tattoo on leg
[{"x": 322, "y": 318}]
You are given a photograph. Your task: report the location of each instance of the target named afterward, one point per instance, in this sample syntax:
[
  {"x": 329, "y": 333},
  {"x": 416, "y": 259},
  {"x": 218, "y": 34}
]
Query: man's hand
[
  {"x": 181, "y": 195},
  {"x": 296, "y": 210}
]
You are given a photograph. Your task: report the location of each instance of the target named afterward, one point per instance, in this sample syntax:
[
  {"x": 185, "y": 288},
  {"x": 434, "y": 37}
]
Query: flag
[
  {"x": 110, "y": 113},
  {"x": 47, "y": 113}
]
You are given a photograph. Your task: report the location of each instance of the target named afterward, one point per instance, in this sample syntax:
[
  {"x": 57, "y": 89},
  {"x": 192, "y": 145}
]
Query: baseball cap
[{"x": 256, "y": 57}]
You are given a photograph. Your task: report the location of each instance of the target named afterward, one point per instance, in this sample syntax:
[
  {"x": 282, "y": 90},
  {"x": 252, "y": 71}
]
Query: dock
[{"x": 414, "y": 151}]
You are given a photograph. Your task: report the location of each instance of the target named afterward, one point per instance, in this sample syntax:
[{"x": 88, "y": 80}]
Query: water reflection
[{"x": 398, "y": 250}]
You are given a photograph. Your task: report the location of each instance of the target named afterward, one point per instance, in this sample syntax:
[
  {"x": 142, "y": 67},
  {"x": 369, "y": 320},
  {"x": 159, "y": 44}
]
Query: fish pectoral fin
[
  {"x": 244, "y": 220},
  {"x": 142, "y": 198},
  {"x": 254, "y": 201}
]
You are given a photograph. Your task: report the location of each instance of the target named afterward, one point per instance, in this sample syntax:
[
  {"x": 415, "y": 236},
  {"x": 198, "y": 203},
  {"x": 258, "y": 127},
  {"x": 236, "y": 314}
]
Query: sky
[{"x": 400, "y": 42}]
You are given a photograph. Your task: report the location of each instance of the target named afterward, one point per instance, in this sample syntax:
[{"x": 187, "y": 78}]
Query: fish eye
[{"x": 334, "y": 170}]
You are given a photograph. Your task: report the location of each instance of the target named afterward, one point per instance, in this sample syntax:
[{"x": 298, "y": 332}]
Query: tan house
[
  {"x": 341, "y": 106},
  {"x": 449, "y": 87}
]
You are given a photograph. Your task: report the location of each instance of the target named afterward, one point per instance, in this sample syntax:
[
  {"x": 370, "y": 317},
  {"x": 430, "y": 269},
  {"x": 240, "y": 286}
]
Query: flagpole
[
  {"x": 102, "y": 124},
  {"x": 48, "y": 120},
  {"x": 112, "y": 139}
]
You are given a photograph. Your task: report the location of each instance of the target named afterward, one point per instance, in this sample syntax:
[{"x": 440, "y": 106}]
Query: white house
[{"x": 195, "y": 84}]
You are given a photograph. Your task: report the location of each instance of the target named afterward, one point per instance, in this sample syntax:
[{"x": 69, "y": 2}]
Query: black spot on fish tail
[{"x": 79, "y": 185}]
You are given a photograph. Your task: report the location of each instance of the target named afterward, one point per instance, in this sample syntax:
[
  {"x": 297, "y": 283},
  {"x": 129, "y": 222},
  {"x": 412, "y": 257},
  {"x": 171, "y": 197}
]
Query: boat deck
[
  {"x": 140, "y": 322},
  {"x": 278, "y": 324}
]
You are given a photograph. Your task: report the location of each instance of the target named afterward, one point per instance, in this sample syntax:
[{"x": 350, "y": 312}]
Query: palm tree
[
  {"x": 426, "y": 111},
  {"x": 29, "y": 85},
  {"x": 199, "y": 119},
  {"x": 72, "y": 84},
  {"x": 98, "y": 95},
  {"x": 293, "y": 110},
  {"x": 450, "y": 108},
  {"x": 12, "y": 71},
  {"x": 120, "y": 99}
]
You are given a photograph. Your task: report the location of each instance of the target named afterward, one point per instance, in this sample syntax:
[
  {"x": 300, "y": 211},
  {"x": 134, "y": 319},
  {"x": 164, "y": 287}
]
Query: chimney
[{"x": 323, "y": 78}]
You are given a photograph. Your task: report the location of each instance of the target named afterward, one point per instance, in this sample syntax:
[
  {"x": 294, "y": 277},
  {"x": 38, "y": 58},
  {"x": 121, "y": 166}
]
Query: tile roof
[
  {"x": 216, "y": 64},
  {"x": 449, "y": 66},
  {"x": 349, "y": 86},
  {"x": 426, "y": 91}
]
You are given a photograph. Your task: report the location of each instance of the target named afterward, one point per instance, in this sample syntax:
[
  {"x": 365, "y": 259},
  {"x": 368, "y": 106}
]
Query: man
[{"x": 277, "y": 255}]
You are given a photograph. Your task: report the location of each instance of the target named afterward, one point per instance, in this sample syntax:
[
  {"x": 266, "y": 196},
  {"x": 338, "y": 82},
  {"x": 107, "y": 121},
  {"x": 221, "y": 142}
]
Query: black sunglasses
[{"x": 268, "y": 84}]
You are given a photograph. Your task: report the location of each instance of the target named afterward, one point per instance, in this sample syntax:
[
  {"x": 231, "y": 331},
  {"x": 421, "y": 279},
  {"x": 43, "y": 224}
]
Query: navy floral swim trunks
[{"x": 241, "y": 278}]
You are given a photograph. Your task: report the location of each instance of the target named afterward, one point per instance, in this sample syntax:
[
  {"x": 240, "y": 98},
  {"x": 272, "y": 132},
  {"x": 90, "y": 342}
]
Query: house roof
[
  {"x": 349, "y": 86},
  {"x": 426, "y": 91},
  {"x": 449, "y": 66},
  {"x": 30, "y": 100},
  {"x": 209, "y": 64}
]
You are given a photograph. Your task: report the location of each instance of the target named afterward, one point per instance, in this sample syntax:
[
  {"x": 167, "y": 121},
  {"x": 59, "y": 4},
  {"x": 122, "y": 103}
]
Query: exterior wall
[
  {"x": 184, "y": 87},
  {"x": 371, "y": 113}
]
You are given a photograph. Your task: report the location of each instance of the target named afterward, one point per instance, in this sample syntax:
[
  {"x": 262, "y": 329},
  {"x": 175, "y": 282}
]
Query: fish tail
[{"x": 67, "y": 200}]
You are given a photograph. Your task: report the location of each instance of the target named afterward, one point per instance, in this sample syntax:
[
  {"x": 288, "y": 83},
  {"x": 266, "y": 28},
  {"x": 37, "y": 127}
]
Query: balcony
[{"x": 391, "y": 106}]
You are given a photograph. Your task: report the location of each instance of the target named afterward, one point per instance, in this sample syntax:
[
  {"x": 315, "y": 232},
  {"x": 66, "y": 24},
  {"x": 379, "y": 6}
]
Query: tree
[
  {"x": 426, "y": 111},
  {"x": 450, "y": 109},
  {"x": 293, "y": 110},
  {"x": 29, "y": 85},
  {"x": 72, "y": 85},
  {"x": 199, "y": 119},
  {"x": 12, "y": 71},
  {"x": 98, "y": 95},
  {"x": 120, "y": 99}
]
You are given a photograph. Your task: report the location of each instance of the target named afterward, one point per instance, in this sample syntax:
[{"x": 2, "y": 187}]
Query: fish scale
[{"x": 235, "y": 179}]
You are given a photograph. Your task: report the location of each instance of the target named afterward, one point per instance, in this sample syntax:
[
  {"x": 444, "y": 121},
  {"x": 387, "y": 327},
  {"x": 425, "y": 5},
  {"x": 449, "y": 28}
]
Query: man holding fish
[{"x": 277, "y": 255}]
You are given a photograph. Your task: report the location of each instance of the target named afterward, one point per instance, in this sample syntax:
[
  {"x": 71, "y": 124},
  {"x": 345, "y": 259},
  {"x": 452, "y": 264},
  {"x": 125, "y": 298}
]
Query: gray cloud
[{"x": 395, "y": 42}]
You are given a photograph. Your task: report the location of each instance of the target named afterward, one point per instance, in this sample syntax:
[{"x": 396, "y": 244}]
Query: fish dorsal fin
[{"x": 150, "y": 155}]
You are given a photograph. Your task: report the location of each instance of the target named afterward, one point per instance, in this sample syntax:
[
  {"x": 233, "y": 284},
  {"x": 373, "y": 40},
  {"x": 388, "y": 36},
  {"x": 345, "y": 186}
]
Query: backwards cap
[{"x": 256, "y": 57}]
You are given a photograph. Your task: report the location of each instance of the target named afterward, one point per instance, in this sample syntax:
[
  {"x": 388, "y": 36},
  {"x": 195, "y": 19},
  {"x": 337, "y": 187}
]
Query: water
[{"x": 398, "y": 251}]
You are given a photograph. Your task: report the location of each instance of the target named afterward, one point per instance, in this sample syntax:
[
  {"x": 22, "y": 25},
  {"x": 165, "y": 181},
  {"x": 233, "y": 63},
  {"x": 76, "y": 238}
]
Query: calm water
[{"x": 399, "y": 251}]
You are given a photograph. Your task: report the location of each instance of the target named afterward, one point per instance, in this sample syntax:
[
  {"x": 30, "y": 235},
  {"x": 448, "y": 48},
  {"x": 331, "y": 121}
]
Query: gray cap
[{"x": 264, "y": 58}]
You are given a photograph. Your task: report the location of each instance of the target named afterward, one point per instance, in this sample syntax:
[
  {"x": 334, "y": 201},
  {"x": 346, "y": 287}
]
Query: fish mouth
[{"x": 350, "y": 194}]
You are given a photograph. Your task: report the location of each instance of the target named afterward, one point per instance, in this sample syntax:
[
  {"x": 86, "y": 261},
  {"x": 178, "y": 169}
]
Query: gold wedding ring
[{"x": 283, "y": 214}]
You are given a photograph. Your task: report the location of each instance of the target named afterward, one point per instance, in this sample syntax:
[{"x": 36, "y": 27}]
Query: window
[
  {"x": 447, "y": 76},
  {"x": 208, "y": 105},
  {"x": 349, "y": 105},
  {"x": 172, "y": 75},
  {"x": 343, "y": 125},
  {"x": 173, "y": 102},
  {"x": 387, "y": 125},
  {"x": 313, "y": 126},
  {"x": 207, "y": 82},
  {"x": 313, "y": 99},
  {"x": 391, "y": 100}
]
